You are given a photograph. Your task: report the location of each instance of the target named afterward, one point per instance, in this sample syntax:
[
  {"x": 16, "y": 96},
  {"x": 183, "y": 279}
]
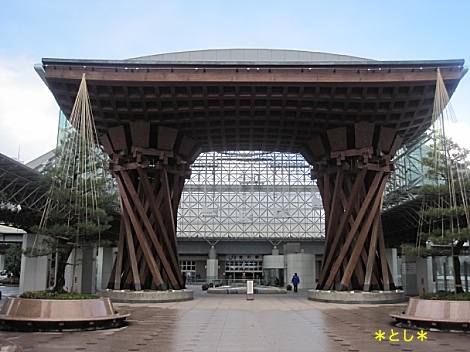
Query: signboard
[
  {"x": 409, "y": 268},
  {"x": 250, "y": 292}
]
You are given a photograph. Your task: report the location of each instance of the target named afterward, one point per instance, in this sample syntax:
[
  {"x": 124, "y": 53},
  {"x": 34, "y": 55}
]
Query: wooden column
[
  {"x": 150, "y": 170},
  {"x": 352, "y": 166}
]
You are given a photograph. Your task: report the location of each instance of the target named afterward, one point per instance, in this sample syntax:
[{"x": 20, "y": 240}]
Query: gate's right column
[{"x": 352, "y": 165}]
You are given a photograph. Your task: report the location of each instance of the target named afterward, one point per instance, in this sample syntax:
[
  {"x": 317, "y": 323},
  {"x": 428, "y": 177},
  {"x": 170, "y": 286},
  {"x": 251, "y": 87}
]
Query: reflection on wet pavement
[{"x": 232, "y": 323}]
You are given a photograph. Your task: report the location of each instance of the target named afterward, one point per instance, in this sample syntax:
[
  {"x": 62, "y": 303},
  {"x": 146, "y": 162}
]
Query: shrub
[
  {"x": 449, "y": 296},
  {"x": 56, "y": 295}
]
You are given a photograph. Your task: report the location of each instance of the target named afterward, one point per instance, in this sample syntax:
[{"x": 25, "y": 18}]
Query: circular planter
[
  {"x": 242, "y": 290},
  {"x": 356, "y": 297},
  {"x": 52, "y": 315},
  {"x": 435, "y": 314},
  {"x": 147, "y": 296}
]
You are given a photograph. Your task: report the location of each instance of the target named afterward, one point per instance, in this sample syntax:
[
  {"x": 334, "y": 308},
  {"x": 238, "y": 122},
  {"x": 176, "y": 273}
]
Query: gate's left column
[{"x": 150, "y": 167}]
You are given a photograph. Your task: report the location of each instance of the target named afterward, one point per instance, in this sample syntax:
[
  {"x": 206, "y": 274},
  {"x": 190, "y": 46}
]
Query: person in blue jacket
[{"x": 295, "y": 281}]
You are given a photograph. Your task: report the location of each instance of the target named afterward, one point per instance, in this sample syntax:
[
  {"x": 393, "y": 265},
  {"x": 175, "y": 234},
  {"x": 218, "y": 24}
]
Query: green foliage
[
  {"x": 446, "y": 209},
  {"x": 63, "y": 295},
  {"x": 424, "y": 252},
  {"x": 438, "y": 192},
  {"x": 13, "y": 259},
  {"x": 444, "y": 156},
  {"x": 81, "y": 202},
  {"x": 443, "y": 235},
  {"x": 445, "y": 212},
  {"x": 447, "y": 296}
]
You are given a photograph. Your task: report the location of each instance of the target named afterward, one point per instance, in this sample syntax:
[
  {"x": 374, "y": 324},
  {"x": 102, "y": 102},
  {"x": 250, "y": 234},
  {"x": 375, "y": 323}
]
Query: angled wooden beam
[
  {"x": 355, "y": 227},
  {"x": 120, "y": 254},
  {"x": 372, "y": 253},
  {"x": 363, "y": 234},
  {"x": 334, "y": 210},
  {"x": 155, "y": 212},
  {"x": 339, "y": 230},
  {"x": 383, "y": 261},
  {"x": 167, "y": 208},
  {"x": 157, "y": 278},
  {"x": 149, "y": 229},
  {"x": 132, "y": 254}
]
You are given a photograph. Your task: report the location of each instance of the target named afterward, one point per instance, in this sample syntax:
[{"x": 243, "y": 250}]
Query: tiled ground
[{"x": 232, "y": 323}]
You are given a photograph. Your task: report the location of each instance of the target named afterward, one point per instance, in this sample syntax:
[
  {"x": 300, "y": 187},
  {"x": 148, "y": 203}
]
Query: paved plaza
[{"x": 282, "y": 322}]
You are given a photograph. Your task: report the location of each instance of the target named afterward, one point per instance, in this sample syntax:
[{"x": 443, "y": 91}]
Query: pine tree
[
  {"x": 80, "y": 205},
  {"x": 445, "y": 210}
]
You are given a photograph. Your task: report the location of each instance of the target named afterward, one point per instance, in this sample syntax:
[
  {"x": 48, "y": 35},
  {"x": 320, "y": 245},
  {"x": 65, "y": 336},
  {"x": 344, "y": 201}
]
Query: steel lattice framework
[
  {"x": 22, "y": 197},
  {"x": 250, "y": 195}
]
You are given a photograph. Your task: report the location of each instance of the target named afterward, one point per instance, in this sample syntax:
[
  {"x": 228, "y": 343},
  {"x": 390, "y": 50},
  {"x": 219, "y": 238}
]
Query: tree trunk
[
  {"x": 456, "y": 261},
  {"x": 61, "y": 264}
]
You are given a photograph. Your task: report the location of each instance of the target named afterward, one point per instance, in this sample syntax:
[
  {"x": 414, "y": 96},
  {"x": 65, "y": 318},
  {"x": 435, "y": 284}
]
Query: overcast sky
[{"x": 114, "y": 29}]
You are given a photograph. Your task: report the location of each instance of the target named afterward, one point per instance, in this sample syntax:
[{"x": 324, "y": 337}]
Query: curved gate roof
[{"x": 254, "y": 99}]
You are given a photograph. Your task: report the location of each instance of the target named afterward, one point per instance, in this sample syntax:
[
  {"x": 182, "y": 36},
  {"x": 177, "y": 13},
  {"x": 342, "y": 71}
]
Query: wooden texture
[
  {"x": 337, "y": 138},
  {"x": 364, "y": 133},
  {"x": 150, "y": 178},
  {"x": 166, "y": 138},
  {"x": 278, "y": 106},
  {"x": 351, "y": 183},
  {"x": 316, "y": 146},
  {"x": 117, "y": 136},
  {"x": 140, "y": 133}
]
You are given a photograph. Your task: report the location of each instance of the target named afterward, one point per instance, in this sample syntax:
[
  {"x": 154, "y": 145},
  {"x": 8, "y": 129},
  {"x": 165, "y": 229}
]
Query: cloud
[
  {"x": 459, "y": 132},
  {"x": 28, "y": 112}
]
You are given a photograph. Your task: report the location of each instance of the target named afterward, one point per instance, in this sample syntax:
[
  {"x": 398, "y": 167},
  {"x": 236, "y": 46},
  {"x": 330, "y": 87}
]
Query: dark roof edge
[
  {"x": 20, "y": 166},
  {"x": 40, "y": 71},
  {"x": 146, "y": 63}
]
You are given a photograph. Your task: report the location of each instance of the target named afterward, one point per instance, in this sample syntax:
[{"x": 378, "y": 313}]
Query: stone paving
[{"x": 228, "y": 323}]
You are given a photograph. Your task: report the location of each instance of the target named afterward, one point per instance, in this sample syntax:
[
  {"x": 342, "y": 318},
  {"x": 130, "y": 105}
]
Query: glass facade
[
  {"x": 250, "y": 195},
  {"x": 409, "y": 172}
]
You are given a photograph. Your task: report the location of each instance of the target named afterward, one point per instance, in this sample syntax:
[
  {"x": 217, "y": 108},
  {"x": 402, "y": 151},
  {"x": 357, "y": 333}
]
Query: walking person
[{"x": 295, "y": 281}]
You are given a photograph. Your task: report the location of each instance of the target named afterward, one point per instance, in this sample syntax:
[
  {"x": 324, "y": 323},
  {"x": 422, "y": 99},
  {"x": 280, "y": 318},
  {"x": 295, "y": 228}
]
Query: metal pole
[
  {"x": 434, "y": 274},
  {"x": 444, "y": 265},
  {"x": 465, "y": 272}
]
